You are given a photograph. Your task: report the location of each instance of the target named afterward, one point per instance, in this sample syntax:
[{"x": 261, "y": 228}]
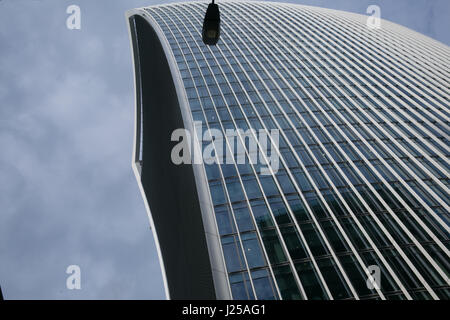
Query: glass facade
[{"x": 363, "y": 179}]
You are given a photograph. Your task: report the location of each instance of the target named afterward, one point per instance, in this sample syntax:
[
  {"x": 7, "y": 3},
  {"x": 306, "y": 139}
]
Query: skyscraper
[{"x": 358, "y": 205}]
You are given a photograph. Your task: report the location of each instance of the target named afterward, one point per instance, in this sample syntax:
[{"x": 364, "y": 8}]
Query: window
[
  {"x": 261, "y": 214},
  {"x": 333, "y": 278},
  {"x": 279, "y": 210},
  {"x": 251, "y": 187},
  {"x": 310, "y": 281},
  {"x": 224, "y": 220},
  {"x": 313, "y": 239},
  {"x": 286, "y": 283},
  {"x": 269, "y": 186},
  {"x": 252, "y": 250},
  {"x": 273, "y": 246},
  {"x": 235, "y": 190},
  {"x": 242, "y": 216},
  {"x": 293, "y": 243},
  {"x": 263, "y": 283},
  {"x": 217, "y": 193},
  {"x": 241, "y": 288},
  {"x": 233, "y": 253}
]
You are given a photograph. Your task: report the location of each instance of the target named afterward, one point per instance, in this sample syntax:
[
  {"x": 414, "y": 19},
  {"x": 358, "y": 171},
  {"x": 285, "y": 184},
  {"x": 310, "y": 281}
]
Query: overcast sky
[{"x": 67, "y": 192}]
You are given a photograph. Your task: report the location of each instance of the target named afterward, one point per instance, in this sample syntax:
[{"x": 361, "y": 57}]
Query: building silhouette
[{"x": 361, "y": 187}]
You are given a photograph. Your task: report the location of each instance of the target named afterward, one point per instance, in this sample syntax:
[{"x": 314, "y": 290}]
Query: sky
[{"x": 68, "y": 195}]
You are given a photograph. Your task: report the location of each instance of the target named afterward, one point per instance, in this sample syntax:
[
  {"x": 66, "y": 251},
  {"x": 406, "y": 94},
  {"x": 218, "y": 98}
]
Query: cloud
[{"x": 68, "y": 195}]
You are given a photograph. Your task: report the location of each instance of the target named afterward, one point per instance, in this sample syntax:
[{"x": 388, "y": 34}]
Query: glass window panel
[
  {"x": 261, "y": 214},
  {"x": 224, "y": 220},
  {"x": 273, "y": 246},
  {"x": 334, "y": 237},
  {"x": 269, "y": 186},
  {"x": 241, "y": 288},
  {"x": 293, "y": 243},
  {"x": 298, "y": 208},
  {"x": 217, "y": 193},
  {"x": 316, "y": 205},
  {"x": 243, "y": 218},
  {"x": 302, "y": 180},
  {"x": 333, "y": 278},
  {"x": 313, "y": 239},
  {"x": 251, "y": 187},
  {"x": 264, "y": 286},
  {"x": 286, "y": 283},
  {"x": 233, "y": 254},
  {"x": 235, "y": 190},
  {"x": 212, "y": 171},
  {"x": 279, "y": 210},
  {"x": 252, "y": 250},
  {"x": 285, "y": 183},
  {"x": 310, "y": 281}
]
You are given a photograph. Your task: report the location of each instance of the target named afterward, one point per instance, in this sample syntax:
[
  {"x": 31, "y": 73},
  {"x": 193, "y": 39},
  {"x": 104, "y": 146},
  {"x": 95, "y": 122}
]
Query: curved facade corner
[{"x": 185, "y": 235}]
